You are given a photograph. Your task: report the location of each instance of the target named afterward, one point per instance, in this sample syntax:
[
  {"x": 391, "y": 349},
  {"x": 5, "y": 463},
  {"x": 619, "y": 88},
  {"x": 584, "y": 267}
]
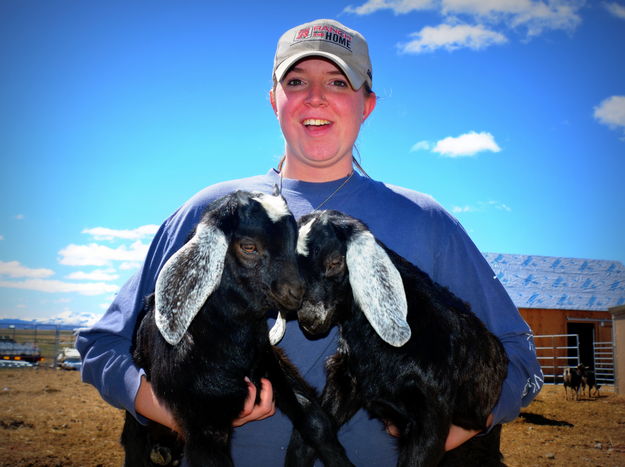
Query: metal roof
[{"x": 560, "y": 283}]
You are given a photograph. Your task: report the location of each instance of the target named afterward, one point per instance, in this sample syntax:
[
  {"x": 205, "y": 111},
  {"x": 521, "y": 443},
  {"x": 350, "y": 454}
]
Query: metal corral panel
[{"x": 560, "y": 283}]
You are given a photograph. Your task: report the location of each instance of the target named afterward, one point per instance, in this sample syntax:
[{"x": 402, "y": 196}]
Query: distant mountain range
[{"x": 25, "y": 324}]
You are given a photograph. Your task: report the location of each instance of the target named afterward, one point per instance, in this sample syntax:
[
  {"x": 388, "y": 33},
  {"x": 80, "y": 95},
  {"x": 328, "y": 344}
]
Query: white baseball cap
[{"x": 329, "y": 39}]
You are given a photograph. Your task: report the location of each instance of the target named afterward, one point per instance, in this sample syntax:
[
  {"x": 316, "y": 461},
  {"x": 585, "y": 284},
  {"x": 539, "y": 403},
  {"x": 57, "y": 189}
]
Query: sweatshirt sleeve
[
  {"x": 463, "y": 269},
  {"x": 105, "y": 348}
]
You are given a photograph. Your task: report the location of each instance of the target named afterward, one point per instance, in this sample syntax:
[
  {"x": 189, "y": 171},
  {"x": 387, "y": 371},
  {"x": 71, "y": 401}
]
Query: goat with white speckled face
[
  {"x": 205, "y": 330},
  {"x": 410, "y": 352}
]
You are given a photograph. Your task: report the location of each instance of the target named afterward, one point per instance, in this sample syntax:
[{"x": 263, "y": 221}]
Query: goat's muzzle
[
  {"x": 288, "y": 293},
  {"x": 314, "y": 318}
]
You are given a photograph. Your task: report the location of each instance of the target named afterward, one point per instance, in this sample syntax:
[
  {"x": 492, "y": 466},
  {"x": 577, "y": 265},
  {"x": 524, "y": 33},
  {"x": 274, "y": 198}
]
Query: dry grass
[{"x": 49, "y": 418}]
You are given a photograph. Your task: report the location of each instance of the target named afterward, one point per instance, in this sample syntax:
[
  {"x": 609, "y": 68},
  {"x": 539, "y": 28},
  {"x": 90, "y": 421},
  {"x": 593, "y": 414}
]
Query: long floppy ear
[
  {"x": 187, "y": 280},
  {"x": 378, "y": 288}
]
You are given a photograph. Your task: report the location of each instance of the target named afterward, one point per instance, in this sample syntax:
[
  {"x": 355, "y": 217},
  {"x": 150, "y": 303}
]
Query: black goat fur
[
  {"x": 450, "y": 371},
  {"x": 201, "y": 378}
]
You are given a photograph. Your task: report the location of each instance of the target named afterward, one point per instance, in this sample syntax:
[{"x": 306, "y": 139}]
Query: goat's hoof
[{"x": 160, "y": 455}]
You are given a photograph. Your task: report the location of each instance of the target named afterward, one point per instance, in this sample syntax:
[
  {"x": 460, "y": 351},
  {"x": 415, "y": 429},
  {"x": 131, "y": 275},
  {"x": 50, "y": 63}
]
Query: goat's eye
[
  {"x": 334, "y": 266},
  {"x": 248, "y": 247}
]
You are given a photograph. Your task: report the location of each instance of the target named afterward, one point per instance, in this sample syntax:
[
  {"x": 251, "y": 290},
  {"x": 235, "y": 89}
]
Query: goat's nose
[
  {"x": 296, "y": 291},
  {"x": 290, "y": 293}
]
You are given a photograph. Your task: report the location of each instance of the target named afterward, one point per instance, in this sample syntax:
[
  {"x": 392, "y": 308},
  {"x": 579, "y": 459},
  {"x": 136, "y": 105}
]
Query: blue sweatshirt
[{"x": 410, "y": 223}]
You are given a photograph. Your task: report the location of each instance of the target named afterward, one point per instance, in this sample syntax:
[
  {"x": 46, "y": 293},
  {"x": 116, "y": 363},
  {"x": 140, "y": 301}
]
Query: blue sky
[{"x": 510, "y": 113}]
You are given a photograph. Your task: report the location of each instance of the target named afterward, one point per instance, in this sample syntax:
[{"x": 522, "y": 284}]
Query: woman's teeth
[{"x": 315, "y": 122}]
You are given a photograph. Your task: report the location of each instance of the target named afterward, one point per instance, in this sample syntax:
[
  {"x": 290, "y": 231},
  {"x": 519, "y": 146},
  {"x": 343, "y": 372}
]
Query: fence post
[
  {"x": 618, "y": 338},
  {"x": 57, "y": 340}
]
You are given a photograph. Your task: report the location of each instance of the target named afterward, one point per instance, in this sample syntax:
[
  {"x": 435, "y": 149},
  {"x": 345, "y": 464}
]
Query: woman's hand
[
  {"x": 147, "y": 404},
  {"x": 150, "y": 407},
  {"x": 265, "y": 408},
  {"x": 455, "y": 438},
  {"x": 458, "y": 435}
]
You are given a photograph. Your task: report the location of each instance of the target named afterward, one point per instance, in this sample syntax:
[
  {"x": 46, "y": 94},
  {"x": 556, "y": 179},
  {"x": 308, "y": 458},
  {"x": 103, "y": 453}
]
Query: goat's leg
[
  {"x": 296, "y": 399},
  {"x": 423, "y": 419},
  {"x": 479, "y": 451},
  {"x": 134, "y": 439},
  {"x": 339, "y": 399},
  {"x": 206, "y": 424},
  {"x": 422, "y": 441},
  {"x": 339, "y": 396},
  {"x": 207, "y": 447}
]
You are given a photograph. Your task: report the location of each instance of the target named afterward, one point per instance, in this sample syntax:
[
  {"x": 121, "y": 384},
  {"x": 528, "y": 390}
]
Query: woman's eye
[
  {"x": 294, "y": 82},
  {"x": 339, "y": 83}
]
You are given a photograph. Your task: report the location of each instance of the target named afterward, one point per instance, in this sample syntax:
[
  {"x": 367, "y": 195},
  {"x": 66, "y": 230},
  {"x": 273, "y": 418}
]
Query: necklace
[
  {"x": 345, "y": 182},
  {"x": 335, "y": 191}
]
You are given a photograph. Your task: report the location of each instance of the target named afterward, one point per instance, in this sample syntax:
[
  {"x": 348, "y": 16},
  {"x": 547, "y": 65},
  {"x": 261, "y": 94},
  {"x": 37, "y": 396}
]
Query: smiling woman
[
  {"x": 321, "y": 96},
  {"x": 320, "y": 116}
]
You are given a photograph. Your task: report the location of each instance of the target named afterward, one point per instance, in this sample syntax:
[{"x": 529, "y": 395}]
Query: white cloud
[
  {"x": 20, "y": 217},
  {"x": 68, "y": 316},
  {"x": 55, "y": 286},
  {"x": 1, "y": 237},
  {"x": 451, "y": 38},
  {"x": 100, "y": 255},
  {"x": 56, "y": 301},
  {"x": 17, "y": 270},
  {"x": 611, "y": 112},
  {"x": 481, "y": 207},
  {"x": 397, "y": 6},
  {"x": 616, "y": 9},
  {"x": 461, "y": 209},
  {"x": 535, "y": 16},
  {"x": 421, "y": 146},
  {"x": 499, "y": 206},
  {"x": 97, "y": 275},
  {"x": 104, "y": 233},
  {"x": 468, "y": 144},
  {"x": 129, "y": 266}
]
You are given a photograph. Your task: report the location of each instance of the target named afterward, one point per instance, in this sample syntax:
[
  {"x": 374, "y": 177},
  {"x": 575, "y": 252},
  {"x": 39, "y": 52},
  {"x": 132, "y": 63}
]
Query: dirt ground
[{"x": 49, "y": 418}]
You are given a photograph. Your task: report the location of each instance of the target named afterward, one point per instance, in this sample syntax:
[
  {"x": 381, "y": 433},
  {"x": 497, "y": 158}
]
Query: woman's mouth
[{"x": 315, "y": 122}]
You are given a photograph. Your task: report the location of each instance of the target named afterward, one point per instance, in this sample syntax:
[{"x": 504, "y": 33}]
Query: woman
[{"x": 321, "y": 96}]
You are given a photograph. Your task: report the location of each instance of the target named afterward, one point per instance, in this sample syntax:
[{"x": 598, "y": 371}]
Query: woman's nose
[{"x": 316, "y": 95}]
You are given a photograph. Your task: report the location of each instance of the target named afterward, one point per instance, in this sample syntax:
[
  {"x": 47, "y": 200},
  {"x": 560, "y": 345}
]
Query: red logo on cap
[
  {"x": 303, "y": 34},
  {"x": 325, "y": 33}
]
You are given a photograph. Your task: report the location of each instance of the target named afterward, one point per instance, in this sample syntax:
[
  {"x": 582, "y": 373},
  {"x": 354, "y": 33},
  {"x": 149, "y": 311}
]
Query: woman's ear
[
  {"x": 272, "y": 99},
  {"x": 370, "y": 102}
]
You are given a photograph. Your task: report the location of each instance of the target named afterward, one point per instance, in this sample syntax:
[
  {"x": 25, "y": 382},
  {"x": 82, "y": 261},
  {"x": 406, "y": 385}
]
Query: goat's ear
[
  {"x": 187, "y": 280},
  {"x": 378, "y": 288}
]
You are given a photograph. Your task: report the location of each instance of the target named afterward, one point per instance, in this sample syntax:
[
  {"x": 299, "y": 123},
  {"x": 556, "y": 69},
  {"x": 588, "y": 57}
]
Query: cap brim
[{"x": 354, "y": 78}]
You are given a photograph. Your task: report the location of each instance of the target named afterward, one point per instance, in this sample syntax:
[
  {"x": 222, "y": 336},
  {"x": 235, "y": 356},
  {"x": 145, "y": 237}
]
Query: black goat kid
[
  {"x": 206, "y": 330},
  {"x": 410, "y": 352}
]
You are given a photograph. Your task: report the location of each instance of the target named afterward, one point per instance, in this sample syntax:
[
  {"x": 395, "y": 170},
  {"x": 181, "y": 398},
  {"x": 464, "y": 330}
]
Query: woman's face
[{"x": 320, "y": 114}]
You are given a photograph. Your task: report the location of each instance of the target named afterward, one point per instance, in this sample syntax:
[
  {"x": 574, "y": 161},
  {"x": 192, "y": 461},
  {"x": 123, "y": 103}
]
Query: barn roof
[{"x": 560, "y": 283}]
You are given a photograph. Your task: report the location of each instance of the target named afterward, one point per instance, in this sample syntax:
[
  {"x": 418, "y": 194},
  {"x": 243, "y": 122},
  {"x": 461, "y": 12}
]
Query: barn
[{"x": 566, "y": 302}]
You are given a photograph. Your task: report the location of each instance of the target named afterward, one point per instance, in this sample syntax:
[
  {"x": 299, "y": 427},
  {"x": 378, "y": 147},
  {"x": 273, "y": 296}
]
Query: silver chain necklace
[{"x": 345, "y": 182}]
